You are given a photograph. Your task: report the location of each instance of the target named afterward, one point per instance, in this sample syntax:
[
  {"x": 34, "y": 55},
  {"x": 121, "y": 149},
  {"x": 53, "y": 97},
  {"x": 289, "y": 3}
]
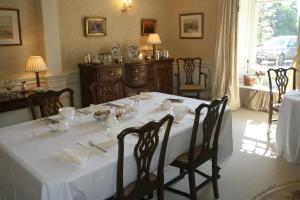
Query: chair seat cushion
[
  {"x": 191, "y": 87},
  {"x": 129, "y": 188},
  {"x": 182, "y": 160}
]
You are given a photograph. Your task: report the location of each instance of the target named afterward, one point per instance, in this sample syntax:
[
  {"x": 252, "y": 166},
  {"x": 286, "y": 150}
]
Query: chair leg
[
  {"x": 150, "y": 196},
  {"x": 192, "y": 184},
  {"x": 181, "y": 172},
  {"x": 215, "y": 172},
  {"x": 270, "y": 116},
  {"x": 160, "y": 193}
]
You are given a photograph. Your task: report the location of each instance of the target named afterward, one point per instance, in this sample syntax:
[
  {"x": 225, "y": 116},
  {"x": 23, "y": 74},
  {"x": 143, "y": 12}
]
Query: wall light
[{"x": 127, "y": 4}]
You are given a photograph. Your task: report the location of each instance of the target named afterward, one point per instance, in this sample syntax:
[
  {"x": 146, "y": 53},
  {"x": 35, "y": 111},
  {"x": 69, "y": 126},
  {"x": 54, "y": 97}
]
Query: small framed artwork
[
  {"x": 191, "y": 25},
  {"x": 10, "y": 30},
  {"x": 148, "y": 26},
  {"x": 95, "y": 26}
]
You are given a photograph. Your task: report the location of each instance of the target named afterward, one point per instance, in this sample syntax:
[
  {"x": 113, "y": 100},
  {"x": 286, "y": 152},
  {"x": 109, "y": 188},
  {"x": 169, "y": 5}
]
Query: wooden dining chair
[
  {"x": 134, "y": 90},
  {"x": 199, "y": 154},
  {"x": 107, "y": 91},
  {"x": 187, "y": 70},
  {"x": 281, "y": 79},
  {"x": 49, "y": 102},
  {"x": 147, "y": 144}
]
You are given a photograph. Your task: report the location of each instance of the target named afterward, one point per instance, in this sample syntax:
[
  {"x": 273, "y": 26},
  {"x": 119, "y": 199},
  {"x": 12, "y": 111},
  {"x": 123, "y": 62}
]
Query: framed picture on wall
[
  {"x": 10, "y": 30},
  {"x": 95, "y": 26},
  {"x": 148, "y": 26},
  {"x": 191, "y": 25}
]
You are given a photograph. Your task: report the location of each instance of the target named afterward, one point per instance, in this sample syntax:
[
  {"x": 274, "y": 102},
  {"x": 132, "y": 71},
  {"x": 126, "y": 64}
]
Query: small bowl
[{"x": 102, "y": 114}]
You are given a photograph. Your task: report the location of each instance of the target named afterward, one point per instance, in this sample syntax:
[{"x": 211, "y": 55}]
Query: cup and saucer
[{"x": 67, "y": 114}]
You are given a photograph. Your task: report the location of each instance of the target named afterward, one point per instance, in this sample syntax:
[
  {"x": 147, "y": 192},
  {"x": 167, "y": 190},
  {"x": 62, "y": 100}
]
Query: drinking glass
[{"x": 136, "y": 105}]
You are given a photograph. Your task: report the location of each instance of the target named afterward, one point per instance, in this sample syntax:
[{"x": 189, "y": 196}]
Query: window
[{"x": 267, "y": 35}]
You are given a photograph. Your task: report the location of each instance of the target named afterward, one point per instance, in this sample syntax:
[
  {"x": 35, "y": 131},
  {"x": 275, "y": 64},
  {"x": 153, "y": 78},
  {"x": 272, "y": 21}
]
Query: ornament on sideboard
[
  {"x": 165, "y": 53},
  {"x": 87, "y": 58},
  {"x": 116, "y": 54},
  {"x": 158, "y": 54},
  {"x": 23, "y": 86}
]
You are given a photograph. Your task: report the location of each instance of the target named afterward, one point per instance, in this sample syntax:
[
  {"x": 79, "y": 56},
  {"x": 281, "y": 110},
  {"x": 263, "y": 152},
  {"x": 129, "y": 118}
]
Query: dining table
[
  {"x": 34, "y": 165},
  {"x": 288, "y": 127}
]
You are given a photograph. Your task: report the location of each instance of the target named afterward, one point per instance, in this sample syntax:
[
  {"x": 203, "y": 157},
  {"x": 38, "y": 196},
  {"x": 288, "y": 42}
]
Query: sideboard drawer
[
  {"x": 136, "y": 74},
  {"x": 111, "y": 74}
]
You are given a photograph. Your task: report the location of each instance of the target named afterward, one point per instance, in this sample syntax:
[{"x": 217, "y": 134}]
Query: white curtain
[
  {"x": 296, "y": 61},
  {"x": 226, "y": 76}
]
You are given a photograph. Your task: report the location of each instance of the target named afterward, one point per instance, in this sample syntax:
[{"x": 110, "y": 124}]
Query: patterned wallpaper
[
  {"x": 204, "y": 48},
  {"x": 122, "y": 28},
  {"x": 13, "y": 58}
]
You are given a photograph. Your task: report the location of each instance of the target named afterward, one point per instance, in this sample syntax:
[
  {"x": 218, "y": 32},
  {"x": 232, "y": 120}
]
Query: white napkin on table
[{"x": 78, "y": 156}]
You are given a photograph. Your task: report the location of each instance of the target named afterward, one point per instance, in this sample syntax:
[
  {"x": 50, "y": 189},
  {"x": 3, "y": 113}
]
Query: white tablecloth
[
  {"x": 30, "y": 168},
  {"x": 288, "y": 127}
]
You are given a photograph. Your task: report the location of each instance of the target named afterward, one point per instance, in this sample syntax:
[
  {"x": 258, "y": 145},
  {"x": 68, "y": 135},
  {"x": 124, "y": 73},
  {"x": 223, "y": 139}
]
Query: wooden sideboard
[
  {"x": 153, "y": 75},
  {"x": 13, "y": 102}
]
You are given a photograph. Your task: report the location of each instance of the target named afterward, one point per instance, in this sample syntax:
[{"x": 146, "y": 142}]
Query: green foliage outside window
[{"x": 276, "y": 19}]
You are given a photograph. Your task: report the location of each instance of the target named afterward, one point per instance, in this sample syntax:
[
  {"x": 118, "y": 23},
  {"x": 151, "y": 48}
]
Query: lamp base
[{"x": 37, "y": 76}]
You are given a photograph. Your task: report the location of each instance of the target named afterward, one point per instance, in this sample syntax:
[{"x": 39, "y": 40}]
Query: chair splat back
[
  {"x": 211, "y": 128},
  {"x": 143, "y": 153},
  {"x": 189, "y": 65},
  {"x": 49, "y": 102},
  {"x": 107, "y": 91},
  {"x": 197, "y": 155},
  {"x": 281, "y": 80}
]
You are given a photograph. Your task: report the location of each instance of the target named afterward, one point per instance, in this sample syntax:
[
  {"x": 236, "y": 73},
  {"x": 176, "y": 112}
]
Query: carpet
[{"x": 287, "y": 191}]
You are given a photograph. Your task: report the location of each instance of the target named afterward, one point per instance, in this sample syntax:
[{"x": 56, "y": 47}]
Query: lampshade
[
  {"x": 36, "y": 64},
  {"x": 153, "y": 39}
]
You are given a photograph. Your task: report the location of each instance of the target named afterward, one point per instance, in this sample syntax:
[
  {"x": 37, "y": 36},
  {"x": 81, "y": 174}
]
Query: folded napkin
[{"x": 74, "y": 156}]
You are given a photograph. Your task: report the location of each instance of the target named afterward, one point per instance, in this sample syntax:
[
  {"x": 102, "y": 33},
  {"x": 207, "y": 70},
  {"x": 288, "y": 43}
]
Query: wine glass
[{"x": 136, "y": 105}]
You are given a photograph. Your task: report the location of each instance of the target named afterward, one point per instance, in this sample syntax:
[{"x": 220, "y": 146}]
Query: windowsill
[{"x": 264, "y": 88}]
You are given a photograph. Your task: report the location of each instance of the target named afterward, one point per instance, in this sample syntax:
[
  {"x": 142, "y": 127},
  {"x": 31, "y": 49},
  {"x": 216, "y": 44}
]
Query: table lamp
[
  {"x": 153, "y": 39},
  {"x": 36, "y": 64}
]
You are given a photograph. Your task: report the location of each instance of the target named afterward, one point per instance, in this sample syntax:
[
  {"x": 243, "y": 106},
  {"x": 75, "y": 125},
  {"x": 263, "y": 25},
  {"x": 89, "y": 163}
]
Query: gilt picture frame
[
  {"x": 148, "y": 26},
  {"x": 191, "y": 25},
  {"x": 95, "y": 26},
  {"x": 10, "y": 28}
]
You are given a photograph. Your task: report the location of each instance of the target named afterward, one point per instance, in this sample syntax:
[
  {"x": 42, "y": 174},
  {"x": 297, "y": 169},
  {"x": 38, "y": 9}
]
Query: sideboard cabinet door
[
  {"x": 97, "y": 73},
  {"x": 163, "y": 76}
]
